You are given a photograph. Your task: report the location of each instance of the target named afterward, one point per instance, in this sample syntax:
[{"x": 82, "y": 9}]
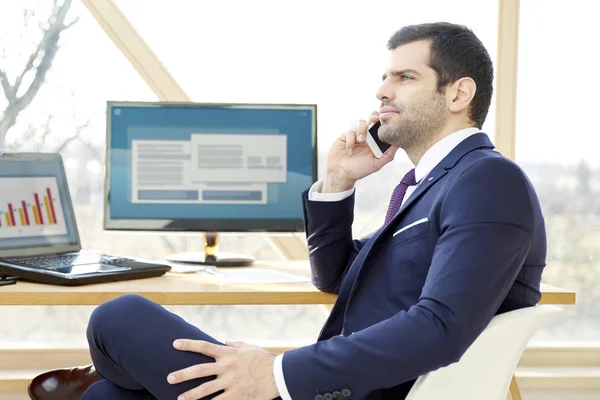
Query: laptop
[{"x": 39, "y": 240}]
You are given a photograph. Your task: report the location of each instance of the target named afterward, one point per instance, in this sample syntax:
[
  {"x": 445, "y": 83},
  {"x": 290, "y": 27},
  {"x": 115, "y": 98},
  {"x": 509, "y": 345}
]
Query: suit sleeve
[
  {"x": 331, "y": 249},
  {"x": 486, "y": 227}
]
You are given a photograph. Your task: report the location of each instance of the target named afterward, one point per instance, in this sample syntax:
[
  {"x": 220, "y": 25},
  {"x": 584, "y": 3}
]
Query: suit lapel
[
  {"x": 354, "y": 273},
  {"x": 471, "y": 143},
  {"x": 438, "y": 173},
  {"x": 479, "y": 140}
]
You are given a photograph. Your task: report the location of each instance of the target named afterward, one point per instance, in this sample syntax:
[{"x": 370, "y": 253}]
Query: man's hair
[{"x": 455, "y": 52}]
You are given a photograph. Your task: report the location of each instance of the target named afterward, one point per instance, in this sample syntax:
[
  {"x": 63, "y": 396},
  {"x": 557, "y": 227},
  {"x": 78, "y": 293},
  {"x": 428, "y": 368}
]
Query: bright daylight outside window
[
  {"x": 558, "y": 147},
  {"x": 326, "y": 53},
  {"x": 320, "y": 52}
]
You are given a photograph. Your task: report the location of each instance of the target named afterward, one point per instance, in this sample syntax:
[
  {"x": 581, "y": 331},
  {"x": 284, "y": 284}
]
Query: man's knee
[
  {"x": 116, "y": 316},
  {"x": 101, "y": 390}
]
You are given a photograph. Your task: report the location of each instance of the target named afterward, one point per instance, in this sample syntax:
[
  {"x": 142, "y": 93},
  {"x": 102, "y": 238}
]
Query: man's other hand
[{"x": 243, "y": 371}]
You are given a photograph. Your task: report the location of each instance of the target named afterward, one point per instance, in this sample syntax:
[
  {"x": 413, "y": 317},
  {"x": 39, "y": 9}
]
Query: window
[
  {"x": 328, "y": 53},
  {"x": 66, "y": 115},
  {"x": 557, "y": 145}
]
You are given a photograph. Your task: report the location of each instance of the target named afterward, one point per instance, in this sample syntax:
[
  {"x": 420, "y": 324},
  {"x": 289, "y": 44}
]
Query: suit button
[
  {"x": 346, "y": 393},
  {"x": 327, "y": 396},
  {"x": 319, "y": 397},
  {"x": 336, "y": 395}
]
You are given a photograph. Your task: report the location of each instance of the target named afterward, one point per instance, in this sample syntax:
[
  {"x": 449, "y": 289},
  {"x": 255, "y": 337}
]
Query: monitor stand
[{"x": 211, "y": 255}]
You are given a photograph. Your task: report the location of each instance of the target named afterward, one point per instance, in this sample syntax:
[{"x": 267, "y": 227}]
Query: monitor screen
[
  {"x": 35, "y": 207},
  {"x": 208, "y": 167}
]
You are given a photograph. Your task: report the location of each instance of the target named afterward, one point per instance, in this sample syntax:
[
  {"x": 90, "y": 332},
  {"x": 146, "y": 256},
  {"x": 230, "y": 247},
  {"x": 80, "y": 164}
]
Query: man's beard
[{"x": 416, "y": 125}]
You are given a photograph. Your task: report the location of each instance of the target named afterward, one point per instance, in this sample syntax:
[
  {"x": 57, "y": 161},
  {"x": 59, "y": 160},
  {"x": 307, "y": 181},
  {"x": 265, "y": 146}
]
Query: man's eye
[{"x": 406, "y": 78}]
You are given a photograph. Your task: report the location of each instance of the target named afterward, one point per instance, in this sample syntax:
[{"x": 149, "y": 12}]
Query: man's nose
[{"x": 384, "y": 92}]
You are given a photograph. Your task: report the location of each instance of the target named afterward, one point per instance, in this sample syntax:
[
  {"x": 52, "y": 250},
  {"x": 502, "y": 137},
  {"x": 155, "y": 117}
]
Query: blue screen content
[
  {"x": 180, "y": 162},
  {"x": 35, "y": 210}
]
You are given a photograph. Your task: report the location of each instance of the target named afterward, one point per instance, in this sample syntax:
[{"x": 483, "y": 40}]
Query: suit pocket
[{"x": 411, "y": 231}]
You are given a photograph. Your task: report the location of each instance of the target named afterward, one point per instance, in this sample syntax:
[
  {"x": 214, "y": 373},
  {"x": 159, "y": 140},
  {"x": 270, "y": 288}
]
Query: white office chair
[{"x": 485, "y": 371}]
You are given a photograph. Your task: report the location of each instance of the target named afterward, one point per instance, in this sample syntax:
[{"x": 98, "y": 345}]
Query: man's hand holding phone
[{"x": 350, "y": 158}]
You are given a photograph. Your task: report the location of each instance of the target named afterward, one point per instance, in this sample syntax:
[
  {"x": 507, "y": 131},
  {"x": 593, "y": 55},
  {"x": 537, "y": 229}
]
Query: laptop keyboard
[{"x": 53, "y": 262}]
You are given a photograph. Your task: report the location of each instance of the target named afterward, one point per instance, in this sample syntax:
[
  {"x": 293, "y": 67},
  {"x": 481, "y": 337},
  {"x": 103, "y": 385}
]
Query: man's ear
[{"x": 460, "y": 94}]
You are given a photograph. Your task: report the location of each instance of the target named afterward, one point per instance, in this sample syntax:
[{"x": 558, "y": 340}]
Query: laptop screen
[{"x": 35, "y": 207}]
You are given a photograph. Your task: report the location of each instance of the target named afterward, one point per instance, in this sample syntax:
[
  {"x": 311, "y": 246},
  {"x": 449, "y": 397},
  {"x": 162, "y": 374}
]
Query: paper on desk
[
  {"x": 182, "y": 268},
  {"x": 255, "y": 275}
]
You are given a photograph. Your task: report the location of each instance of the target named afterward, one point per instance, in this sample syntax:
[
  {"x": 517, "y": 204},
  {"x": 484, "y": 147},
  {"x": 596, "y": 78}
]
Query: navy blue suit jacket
[{"x": 412, "y": 302}]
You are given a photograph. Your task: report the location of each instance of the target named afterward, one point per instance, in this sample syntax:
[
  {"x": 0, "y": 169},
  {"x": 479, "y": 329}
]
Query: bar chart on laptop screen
[{"x": 30, "y": 207}]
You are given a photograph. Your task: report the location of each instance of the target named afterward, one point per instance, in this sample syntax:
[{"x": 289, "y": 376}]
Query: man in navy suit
[{"x": 463, "y": 240}]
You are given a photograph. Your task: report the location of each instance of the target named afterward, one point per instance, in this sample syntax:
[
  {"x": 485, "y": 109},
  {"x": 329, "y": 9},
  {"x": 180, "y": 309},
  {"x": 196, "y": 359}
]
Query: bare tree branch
[
  {"x": 75, "y": 137},
  {"x": 27, "y": 137},
  {"x": 46, "y": 51},
  {"x": 27, "y": 14},
  {"x": 47, "y": 129},
  {"x": 70, "y": 24},
  {"x": 66, "y": 143},
  {"x": 39, "y": 137},
  {"x": 38, "y": 64},
  {"x": 6, "y": 86}
]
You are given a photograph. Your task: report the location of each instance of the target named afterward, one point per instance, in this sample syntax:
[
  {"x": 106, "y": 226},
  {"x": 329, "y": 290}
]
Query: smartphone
[{"x": 377, "y": 146}]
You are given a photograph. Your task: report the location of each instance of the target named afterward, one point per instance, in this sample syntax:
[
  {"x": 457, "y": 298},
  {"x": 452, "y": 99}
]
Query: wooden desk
[
  {"x": 175, "y": 289},
  {"x": 200, "y": 289},
  {"x": 204, "y": 289}
]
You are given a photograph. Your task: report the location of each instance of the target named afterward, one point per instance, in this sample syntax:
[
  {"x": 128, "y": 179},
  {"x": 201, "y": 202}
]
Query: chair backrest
[{"x": 486, "y": 368}]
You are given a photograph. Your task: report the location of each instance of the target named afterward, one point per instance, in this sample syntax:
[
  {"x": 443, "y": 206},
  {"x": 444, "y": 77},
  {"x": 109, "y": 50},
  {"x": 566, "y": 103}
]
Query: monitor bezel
[
  {"x": 221, "y": 225},
  {"x": 52, "y": 248}
]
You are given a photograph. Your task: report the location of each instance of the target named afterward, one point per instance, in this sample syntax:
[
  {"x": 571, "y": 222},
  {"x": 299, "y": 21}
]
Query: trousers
[{"x": 131, "y": 345}]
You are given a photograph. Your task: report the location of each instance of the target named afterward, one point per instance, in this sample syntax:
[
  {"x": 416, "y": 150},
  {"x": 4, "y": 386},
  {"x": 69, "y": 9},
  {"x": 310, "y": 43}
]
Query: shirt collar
[{"x": 440, "y": 150}]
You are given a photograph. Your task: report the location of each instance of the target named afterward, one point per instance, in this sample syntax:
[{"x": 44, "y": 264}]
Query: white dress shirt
[{"x": 430, "y": 159}]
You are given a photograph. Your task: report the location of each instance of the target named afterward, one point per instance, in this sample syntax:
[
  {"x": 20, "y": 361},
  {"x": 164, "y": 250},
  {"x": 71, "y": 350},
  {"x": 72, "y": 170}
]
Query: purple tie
[{"x": 398, "y": 195}]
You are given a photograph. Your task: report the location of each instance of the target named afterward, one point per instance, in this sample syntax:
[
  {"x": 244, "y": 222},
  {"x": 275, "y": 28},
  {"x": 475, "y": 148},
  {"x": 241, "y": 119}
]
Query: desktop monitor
[{"x": 173, "y": 167}]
